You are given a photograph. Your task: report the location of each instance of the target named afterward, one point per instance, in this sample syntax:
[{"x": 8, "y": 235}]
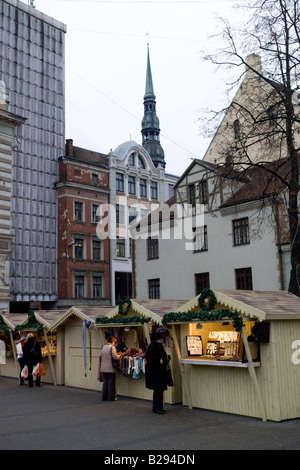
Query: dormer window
[
  {"x": 131, "y": 160},
  {"x": 141, "y": 162},
  {"x": 237, "y": 130}
]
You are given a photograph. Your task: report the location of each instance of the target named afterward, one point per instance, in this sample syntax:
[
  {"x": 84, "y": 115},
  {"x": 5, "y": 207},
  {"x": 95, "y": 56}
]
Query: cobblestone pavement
[{"x": 65, "y": 418}]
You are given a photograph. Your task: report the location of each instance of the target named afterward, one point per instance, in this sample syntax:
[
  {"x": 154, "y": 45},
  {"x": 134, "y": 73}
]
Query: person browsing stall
[
  {"x": 109, "y": 372},
  {"x": 156, "y": 371}
]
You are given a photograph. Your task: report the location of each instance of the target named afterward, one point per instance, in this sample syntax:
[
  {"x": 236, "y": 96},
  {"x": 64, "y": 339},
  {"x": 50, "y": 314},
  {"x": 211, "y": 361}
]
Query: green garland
[
  {"x": 205, "y": 314},
  {"x": 3, "y": 326},
  {"x": 134, "y": 319},
  {"x": 125, "y": 301},
  {"x": 30, "y": 324}
]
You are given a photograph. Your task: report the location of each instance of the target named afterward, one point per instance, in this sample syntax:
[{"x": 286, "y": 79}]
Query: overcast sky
[{"x": 106, "y": 51}]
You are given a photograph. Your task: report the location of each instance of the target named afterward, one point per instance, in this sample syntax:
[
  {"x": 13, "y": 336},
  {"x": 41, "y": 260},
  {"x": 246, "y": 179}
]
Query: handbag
[
  {"x": 115, "y": 363},
  {"x": 170, "y": 382}
]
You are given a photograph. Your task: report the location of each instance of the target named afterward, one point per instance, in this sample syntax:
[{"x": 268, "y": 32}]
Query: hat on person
[{"x": 156, "y": 335}]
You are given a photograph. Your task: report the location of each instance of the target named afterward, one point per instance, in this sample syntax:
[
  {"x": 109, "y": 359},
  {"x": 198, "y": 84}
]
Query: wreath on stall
[
  {"x": 205, "y": 314},
  {"x": 124, "y": 306},
  {"x": 31, "y": 324}
]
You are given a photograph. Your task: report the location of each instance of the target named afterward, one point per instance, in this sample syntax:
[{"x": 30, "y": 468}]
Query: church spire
[{"x": 150, "y": 122}]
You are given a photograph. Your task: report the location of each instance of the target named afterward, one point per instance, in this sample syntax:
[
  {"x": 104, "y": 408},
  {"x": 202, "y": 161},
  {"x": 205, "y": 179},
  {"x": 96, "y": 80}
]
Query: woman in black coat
[
  {"x": 32, "y": 355},
  {"x": 156, "y": 371}
]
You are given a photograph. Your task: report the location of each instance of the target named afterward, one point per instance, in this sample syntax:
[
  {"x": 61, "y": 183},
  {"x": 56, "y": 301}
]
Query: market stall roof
[
  {"x": 153, "y": 308},
  {"x": 42, "y": 317},
  {"x": 265, "y": 305},
  {"x": 83, "y": 312}
]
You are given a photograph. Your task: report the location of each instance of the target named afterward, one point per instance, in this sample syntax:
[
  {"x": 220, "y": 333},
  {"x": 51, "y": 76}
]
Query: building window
[
  {"x": 131, "y": 214},
  {"x": 121, "y": 247},
  {"x": 79, "y": 247},
  {"x": 241, "y": 234},
  {"x": 154, "y": 288},
  {"x": 78, "y": 211},
  {"x": 97, "y": 286},
  {"x": 203, "y": 192},
  {"x": 131, "y": 160},
  {"x": 243, "y": 279},
  {"x": 153, "y": 248},
  {"x": 272, "y": 116},
  {"x": 95, "y": 217},
  {"x": 201, "y": 281},
  {"x": 200, "y": 240},
  {"x": 94, "y": 180},
  {"x": 143, "y": 188},
  {"x": 131, "y": 184},
  {"x": 96, "y": 250},
  {"x": 154, "y": 194},
  {"x": 191, "y": 195},
  {"x": 120, "y": 214},
  {"x": 237, "y": 129},
  {"x": 79, "y": 286},
  {"x": 120, "y": 182},
  {"x": 141, "y": 163}
]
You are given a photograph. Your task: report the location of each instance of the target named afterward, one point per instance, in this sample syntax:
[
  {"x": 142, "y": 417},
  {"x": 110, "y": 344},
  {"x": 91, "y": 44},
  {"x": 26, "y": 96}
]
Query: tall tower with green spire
[{"x": 150, "y": 123}]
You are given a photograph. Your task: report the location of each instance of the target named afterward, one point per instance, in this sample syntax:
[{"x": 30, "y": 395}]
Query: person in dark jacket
[
  {"x": 156, "y": 371},
  {"x": 32, "y": 355}
]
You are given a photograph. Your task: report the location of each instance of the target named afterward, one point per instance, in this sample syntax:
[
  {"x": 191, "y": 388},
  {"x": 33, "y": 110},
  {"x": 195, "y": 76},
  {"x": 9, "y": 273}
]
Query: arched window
[
  {"x": 237, "y": 130},
  {"x": 141, "y": 162},
  {"x": 131, "y": 160}
]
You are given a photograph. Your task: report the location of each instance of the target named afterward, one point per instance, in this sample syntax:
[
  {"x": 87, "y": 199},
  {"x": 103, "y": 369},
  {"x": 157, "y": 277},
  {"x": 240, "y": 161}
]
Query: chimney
[
  {"x": 253, "y": 61},
  {"x": 69, "y": 148}
]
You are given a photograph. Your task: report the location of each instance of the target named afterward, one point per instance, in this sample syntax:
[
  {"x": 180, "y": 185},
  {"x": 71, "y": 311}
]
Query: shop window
[
  {"x": 97, "y": 286},
  {"x": 241, "y": 235},
  {"x": 201, "y": 281},
  {"x": 120, "y": 247},
  {"x": 154, "y": 288},
  {"x": 243, "y": 279},
  {"x": 143, "y": 188},
  {"x": 154, "y": 192},
  {"x": 131, "y": 184},
  {"x": 153, "y": 248},
  {"x": 200, "y": 240},
  {"x": 120, "y": 182},
  {"x": 79, "y": 286},
  {"x": 203, "y": 192},
  {"x": 78, "y": 211}
]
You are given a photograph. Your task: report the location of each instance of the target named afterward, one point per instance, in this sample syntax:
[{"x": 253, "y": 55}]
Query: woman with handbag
[
  {"x": 156, "y": 371},
  {"x": 109, "y": 357}
]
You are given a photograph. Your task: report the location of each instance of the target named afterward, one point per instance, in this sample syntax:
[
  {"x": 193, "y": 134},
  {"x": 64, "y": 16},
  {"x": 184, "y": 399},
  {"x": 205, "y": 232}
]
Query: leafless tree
[{"x": 269, "y": 119}]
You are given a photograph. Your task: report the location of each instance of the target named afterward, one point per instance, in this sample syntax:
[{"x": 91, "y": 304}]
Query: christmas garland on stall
[
  {"x": 205, "y": 314},
  {"x": 31, "y": 324},
  {"x": 134, "y": 319},
  {"x": 3, "y": 326}
]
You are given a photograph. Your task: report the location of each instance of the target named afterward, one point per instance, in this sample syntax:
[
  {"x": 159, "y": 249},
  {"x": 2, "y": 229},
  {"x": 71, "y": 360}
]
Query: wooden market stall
[
  {"x": 238, "y": 352},
  {"x": 39, "y": 324},
  {"x": 80, "y": 343},
  {"x": 132, "y": 322}
]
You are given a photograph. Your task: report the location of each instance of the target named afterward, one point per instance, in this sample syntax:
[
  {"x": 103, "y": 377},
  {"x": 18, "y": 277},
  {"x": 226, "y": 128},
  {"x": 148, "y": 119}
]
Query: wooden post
[
  {"x": 50, "y": 357},
  {"x": 181, "y": 368},
  {"x": 14, "y": 353},
  {"x": 252, "y": 374}
]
